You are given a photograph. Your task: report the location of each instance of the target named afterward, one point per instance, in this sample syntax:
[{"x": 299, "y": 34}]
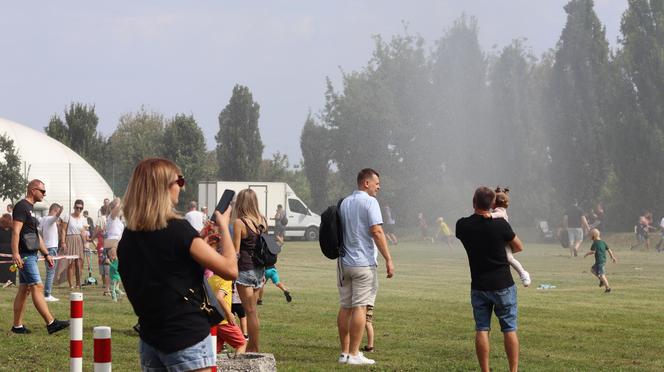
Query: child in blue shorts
[
  {"x": 271, "y": 273},
  {"x": 600, "y": 249}
]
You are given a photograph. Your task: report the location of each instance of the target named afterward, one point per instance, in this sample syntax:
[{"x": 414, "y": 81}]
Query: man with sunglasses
[{"x": 26, "y": 261}]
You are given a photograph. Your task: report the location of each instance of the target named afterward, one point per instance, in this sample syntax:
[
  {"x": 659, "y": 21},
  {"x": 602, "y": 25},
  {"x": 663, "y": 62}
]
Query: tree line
[
  {"x": 238, "y": 154},
  {"x": 582, "y": 122}
]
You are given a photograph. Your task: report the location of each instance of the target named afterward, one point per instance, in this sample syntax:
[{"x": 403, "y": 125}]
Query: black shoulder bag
[{"x": 203, "y": 297}]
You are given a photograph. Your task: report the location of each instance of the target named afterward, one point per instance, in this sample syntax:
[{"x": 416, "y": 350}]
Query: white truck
[{"x": 302, "y": 223}]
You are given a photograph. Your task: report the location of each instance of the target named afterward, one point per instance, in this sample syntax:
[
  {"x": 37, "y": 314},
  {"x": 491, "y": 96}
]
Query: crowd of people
[{"x": 163, "y": 259}]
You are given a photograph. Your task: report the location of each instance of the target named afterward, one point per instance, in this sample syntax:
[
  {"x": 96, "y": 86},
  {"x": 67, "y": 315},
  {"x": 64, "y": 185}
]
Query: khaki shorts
[{"x": 359, "y": 286}]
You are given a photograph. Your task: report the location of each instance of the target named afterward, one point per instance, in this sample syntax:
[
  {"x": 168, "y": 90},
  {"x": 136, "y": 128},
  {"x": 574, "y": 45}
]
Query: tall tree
[
  {"x": 642, "y": 28},
  {"x": 315, "y": 147},
  {"x": 239, "y": 144},
  {"x": 516, "y": 131},
  {"x": 580, "y": 80},
  {"x": 12, "y": 182},
  {"x": 79, "y": 132},
  {"x": 138, "y": 136},
  {"x": 459, "y": 69},
  {"x": 184, "y": 144}
]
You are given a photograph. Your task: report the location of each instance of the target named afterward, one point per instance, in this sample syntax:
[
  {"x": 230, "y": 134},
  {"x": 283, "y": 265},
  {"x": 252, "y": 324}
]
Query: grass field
[{"x": 423, "y": 319}]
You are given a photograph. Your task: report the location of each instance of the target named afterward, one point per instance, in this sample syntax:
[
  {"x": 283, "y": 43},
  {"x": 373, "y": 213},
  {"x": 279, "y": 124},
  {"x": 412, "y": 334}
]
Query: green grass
[{"x": 423, "y": 318}]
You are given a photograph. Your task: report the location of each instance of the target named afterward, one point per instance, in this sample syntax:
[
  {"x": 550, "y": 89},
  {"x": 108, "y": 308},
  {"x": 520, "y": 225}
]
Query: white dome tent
[{"x": 66, "y": 175}]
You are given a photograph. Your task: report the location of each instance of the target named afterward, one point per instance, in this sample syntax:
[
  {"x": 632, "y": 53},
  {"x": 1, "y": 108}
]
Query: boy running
[{"x": 600, "y": 249}]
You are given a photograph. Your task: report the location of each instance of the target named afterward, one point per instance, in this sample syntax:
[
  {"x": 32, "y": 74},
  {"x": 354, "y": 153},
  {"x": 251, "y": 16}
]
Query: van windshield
[{"x": 296, "y": 206}]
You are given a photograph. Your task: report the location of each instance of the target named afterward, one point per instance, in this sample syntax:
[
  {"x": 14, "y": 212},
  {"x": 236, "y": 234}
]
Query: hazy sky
[{"x": 185, "y": 57}]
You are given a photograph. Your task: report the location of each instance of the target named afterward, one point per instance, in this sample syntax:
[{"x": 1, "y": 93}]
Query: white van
[{"x": 302, "y": 223}]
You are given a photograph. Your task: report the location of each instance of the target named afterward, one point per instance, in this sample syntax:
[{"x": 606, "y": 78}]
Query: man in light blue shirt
[{"x": 363, "y": 235}]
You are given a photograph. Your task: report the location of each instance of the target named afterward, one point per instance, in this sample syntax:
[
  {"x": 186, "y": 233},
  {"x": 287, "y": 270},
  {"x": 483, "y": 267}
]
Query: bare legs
[
  {"x": 37, "y": 292},
  {"x": 75, "y": 268},
  {"x": 351, "y": 323},
  {"x": 249, "y": 296},
  {"x": 482, "y": 349}
]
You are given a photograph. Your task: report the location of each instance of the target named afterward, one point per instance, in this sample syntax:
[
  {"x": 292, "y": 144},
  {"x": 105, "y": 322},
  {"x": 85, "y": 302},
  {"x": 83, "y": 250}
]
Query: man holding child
[{"x": 492, "y": 287}]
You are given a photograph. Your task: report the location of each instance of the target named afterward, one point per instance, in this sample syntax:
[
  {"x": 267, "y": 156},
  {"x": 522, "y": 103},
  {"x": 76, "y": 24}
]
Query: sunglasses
[
  {"x": 180, "y": 180},
  {"x": 78, "y": 208},
  {"x": 41, "y": 191}
]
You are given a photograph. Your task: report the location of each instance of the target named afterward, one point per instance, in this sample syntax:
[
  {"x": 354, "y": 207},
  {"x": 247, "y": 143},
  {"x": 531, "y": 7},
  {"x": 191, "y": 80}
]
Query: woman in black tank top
[{"x": 249, "y": 224}]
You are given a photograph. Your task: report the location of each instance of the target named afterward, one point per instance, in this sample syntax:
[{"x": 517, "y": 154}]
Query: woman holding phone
[
  {"x": 159, "y": 248},
  {"x": 248, "y": 225}
]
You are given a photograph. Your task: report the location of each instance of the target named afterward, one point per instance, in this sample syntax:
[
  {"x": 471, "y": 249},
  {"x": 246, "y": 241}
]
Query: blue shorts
[
  {"x": 251, "y": 278},
  {"x": 502, "y": 302},
  {"x": 598, "y": 269},
  {"x": 198, "y": 356},
  {"x": 29, "y": 274},
  {"x": 272, "y": 274}
]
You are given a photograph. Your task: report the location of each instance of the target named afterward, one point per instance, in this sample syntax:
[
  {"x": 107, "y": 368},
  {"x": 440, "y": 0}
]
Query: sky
[{"x": 185, "y": 57}]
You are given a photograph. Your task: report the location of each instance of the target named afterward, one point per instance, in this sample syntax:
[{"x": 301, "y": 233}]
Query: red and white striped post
[
  {"x": 76, "y": 332},
  {"x": 102, "y": 336},
  {"x": 213, "y": 334}
]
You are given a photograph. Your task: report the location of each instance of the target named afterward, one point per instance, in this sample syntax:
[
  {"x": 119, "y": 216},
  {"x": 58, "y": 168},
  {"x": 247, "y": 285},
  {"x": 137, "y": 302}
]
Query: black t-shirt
[
  {"x": 23, "y": 212},
  {"x": 574, "y": 214},
  {"x": 168, "y": 322},
  {"x": 484, "y": 240}
]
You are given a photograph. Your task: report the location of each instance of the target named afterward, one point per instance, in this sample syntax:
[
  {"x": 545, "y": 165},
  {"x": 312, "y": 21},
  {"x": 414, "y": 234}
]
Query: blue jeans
[
  {"x": 197, "y": 356},
  {"x": 50, "y": 272},
  {"x": 502, "y": 302},
  {"x": 29, "y": 274}
]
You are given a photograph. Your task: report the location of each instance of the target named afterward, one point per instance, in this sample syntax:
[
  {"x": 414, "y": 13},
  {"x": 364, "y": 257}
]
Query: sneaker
[
  {"x": 7, "y": 284},
  {"x": 360, "y": 359},
  {"x": 368, "y": 349},
  {"x": 343, "y": 358},
  {"x": 607, "y": 290},
  {"x": 246, "y": 337},
  {"x": 21, "y": 330},
  {"x": 259, "y": 302},
  {"x": 57, "y": 325},
  {"x": 288, "y": 296},
  {"x": 50, "y": 298},
  {"x": 525, "y": 279}
]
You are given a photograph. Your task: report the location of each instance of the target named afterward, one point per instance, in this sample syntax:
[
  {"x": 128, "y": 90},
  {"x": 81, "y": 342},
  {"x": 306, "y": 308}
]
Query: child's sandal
[{"x": 368, "y": 349}]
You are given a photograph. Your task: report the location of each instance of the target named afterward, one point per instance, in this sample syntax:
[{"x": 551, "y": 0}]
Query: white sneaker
[
  {"x": 343, "y": 358},
  {"x": 360, "y": 359},
  {"x": 525, "y": 279},
  {"x": 50, "y": 298}
]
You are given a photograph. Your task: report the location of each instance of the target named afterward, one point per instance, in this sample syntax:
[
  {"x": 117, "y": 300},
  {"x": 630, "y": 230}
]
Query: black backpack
[
  {"x": 266, "y": 249},
  {"x": 330, "y": 232}
]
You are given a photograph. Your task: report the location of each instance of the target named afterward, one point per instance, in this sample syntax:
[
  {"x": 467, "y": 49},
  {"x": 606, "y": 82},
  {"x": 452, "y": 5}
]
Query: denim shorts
[
  {"x": 598, "y": 269},
  {"x": 198, "y": 356},
  {"x": 575, "y": 234},
  {"x": 251, "y": 278},
  {"x": 502, "y": 302},
  {"x": 29, "y": 274},
  {"x": 272, "y": 274}
]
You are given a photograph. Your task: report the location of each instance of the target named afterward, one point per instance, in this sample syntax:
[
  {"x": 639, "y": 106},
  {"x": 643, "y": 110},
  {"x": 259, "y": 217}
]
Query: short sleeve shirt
[
  {"x": 23, "y": 212},
  {"x": 599, "y": 247},
  {"x": 574, "y": 215},
  {"x": 168, "y": 322},
  {"x": 359, "y": 212},
  {"x": 484, "y": 240}
]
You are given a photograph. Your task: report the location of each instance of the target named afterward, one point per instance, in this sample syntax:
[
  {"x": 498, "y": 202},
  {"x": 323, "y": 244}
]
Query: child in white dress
[{"x": 499, "y": 210}]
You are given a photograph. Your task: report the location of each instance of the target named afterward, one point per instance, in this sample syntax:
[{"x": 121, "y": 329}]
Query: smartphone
[{"x": 224, "y": 202}]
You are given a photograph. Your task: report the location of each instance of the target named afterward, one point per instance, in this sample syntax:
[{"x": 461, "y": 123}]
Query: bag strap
[{"x": 168, "y": 279}]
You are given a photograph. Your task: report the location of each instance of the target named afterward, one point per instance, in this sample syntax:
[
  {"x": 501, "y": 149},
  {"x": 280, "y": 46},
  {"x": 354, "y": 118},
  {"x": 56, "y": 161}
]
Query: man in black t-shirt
[
  {"x": 25, "y": 225},
  {"x": 492, "y": 287},
  {"x": 576, "y": 223}
]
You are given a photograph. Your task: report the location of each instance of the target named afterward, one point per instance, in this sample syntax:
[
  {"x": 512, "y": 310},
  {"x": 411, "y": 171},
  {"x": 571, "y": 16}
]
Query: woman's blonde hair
[
  {"x": 147, "y": 201},
  {"x": 246, "y": 207}
]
